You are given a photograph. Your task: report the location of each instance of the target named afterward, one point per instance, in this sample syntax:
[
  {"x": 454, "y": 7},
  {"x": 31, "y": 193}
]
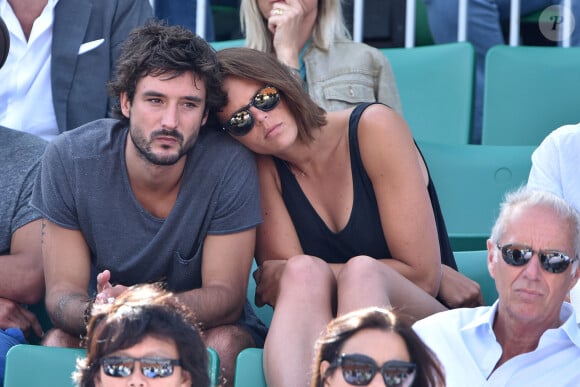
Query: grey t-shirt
[
  {"x": 83, "y": 185},
  {"x": 20, "y": 155}
]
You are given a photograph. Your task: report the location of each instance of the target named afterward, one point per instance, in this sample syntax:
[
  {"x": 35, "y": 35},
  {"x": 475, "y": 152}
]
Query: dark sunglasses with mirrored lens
[
  {"x": 242, "y": 121},
  {"x": 151, "y": 367},
  {"x": 359, "y": 370},
  {"x": 552, "y": 261}
]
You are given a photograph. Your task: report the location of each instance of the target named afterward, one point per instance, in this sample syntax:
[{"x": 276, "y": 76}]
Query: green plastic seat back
[
  {"x": 471, "y": 181},
  {"x": 249, "y": 369},
  {"x": 36, "y": 365},
  {"x": 473, "y": 264},
  {"x": 529, "y": 91},
  {"x": 228, "y": 44},
  {"x": 435, "y": 85},
  {"x": 265, "y": 312},
  {"x": 214, "y": 367}
]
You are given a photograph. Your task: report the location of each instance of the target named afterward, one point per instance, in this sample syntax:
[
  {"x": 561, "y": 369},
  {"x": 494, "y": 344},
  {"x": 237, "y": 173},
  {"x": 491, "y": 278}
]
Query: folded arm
[
  {"x": 67, "y": 269},
  {"x": 225, "y": 266}
]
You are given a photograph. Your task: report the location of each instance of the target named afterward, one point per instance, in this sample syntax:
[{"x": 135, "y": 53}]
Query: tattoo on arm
[{"x": 42, "y": 231}]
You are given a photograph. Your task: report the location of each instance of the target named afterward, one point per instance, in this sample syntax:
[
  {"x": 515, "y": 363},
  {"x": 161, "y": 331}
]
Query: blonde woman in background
[{"x": 310, "y": 37}]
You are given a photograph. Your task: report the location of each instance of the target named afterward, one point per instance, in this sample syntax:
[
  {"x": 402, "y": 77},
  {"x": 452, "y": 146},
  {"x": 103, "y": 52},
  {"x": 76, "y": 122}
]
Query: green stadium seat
[
  {"x": 473, "y": 264},
  {"x": 249, "y": 369},
  {"x": 528, "y": 92},
  {"x": 436, "y": 85},
  {"x": 228, "y": 44},
  {"x": 471, "y": 181}
]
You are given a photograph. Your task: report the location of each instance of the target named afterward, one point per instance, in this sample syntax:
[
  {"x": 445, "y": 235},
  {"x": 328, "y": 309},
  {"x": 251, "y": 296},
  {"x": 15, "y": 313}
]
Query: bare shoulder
[
  {"x": 268, "y": 173},
  {"x": 379, "y": 120}
]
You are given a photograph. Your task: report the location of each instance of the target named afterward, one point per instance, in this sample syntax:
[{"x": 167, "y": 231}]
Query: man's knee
[
  {"x": 59, "y": 338},
  {"x": 228, "y": 338},
  {"x": 228, "y": 341}
]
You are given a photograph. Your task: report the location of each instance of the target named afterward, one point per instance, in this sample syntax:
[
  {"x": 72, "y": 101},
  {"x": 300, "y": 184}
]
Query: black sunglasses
[
  {"x": 552, "y": 261},
  {"x": 359, "y": 370},
  {"x": 242, "y": 121},
  {"x": 151, "y": 367}
]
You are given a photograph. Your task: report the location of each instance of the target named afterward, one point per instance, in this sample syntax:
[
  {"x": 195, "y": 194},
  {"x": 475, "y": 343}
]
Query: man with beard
[{"x": 153, "y": 196}]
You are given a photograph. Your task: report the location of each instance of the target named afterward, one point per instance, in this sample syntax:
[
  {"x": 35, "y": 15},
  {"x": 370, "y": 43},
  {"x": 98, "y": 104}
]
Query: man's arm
[
  {"x": 66, "y": 269},
  {"x": 21, "y": 277},
  {"x": 226, "y": 263}
]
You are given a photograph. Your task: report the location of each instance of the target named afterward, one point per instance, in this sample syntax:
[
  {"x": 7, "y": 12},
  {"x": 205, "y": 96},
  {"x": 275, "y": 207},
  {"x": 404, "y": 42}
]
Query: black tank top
[{"x": 363, "y": 234}]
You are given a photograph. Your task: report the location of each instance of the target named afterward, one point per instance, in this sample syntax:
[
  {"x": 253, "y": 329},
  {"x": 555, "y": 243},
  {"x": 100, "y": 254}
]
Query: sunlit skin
[
  {"x": 378, "y": 344},
  {"x": 165, "y": 117},
  {"x": 531, "y": 297},
  {"x": 291, "y": 23},
  {"x": 149, "y": 347},
  {"x": 273, "y": 131}
]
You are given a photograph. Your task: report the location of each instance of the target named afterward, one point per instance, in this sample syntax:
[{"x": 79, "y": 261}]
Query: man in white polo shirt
[
  {"x": 528, "y": 337},
  {"x": 61, "y": 57}
]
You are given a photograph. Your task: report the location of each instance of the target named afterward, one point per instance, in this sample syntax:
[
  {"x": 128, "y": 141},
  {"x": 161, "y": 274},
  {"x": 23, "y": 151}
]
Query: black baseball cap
[{"x": 4, "y": 42}]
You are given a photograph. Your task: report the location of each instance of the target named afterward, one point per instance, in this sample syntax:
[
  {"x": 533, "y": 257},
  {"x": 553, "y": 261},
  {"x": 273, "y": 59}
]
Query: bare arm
[
  {"x": 67, "y": 269},
  {"x": 21, "y": 277},
  {"x": 399, "y": 180},
  {"x": 225, "y": 266},
  {"x": 276, "y": 237}
]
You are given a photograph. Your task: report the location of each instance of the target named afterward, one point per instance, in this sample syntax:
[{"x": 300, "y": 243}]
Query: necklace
[{"x": 291, "y": 167}]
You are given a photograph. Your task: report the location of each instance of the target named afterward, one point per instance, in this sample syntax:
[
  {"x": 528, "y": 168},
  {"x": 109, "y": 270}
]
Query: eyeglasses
[
  {"x": 242, "y": 121},
  {"x": 151, "y": 367},
  {"x": 552, "y": 261},
  {"x": 359, "y": 370}
]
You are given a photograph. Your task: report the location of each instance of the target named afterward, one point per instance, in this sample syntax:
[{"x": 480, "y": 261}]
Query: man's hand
[
  {"x": 12, "y": 315},
  {"x": 106, "y": 292},
  {"x": 458, "y": 291},
  {"x": 267, "y": 278}
]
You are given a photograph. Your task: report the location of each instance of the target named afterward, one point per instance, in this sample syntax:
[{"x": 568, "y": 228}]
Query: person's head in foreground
[
  {"x": 373, "y": 347},
  {"x": 533, "y": 257},
  {"x": 258, "y": 85},
  {"x": 145, "y": 337}
]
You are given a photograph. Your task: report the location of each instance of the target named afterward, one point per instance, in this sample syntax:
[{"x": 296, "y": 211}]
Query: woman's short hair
[
  {"x": 329, "y": 25},
  {"x": 265, "y": 69},
  {"x": 329, "y": 346},
  {"x": 139, "y": 312}
]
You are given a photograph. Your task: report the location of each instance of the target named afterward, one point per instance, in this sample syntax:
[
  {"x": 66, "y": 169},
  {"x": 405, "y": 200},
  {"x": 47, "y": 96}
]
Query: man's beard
[{"x": 144, "y": 146}]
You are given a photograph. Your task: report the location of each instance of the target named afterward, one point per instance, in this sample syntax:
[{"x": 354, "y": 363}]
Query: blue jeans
[
  {"x": 182, "y": 12},
  {"x": 484, "y": 31},
  {"x": 8, "y": 338}
]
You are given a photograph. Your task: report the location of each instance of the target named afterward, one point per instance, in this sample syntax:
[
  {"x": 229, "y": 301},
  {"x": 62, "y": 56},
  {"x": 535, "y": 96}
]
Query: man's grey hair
[{"x": 524, "y": 197}]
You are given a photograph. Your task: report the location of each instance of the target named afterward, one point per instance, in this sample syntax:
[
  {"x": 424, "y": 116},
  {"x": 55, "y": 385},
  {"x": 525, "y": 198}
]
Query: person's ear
[
  {"x": 186, "y": 378},
  {"x": 97, "y": 379},
  {"x": 324, "y": 365},
  {"x": 125, "y": 104},
  {"x": 576, "y": 276},
  {"x": 491, "y": 261}
]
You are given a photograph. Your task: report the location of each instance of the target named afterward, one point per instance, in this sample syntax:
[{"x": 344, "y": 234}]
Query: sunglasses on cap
[
  {"x": 552, "y": 261},
  {"x": 151, "y": 367},
  {"x": 359, "y": 370},
  {"x": 242, "y": 121}
]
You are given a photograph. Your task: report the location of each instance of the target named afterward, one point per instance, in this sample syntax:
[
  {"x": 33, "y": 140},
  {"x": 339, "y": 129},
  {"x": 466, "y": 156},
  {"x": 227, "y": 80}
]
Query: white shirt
[
  {"x": 464, "y": 342},
  {"x": 25, "y": 87},
  {"x": 556, "y": 168}
]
